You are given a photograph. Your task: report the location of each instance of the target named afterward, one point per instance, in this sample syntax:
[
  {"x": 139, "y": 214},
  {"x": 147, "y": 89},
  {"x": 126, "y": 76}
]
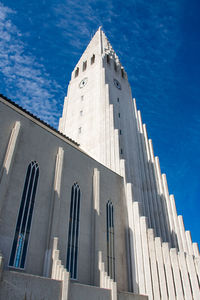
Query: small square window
[
  {"x": 81, "y": 113},
  {"x": 79, "y": 130},
  {"x": 82, "y": 98},
  {"x": 119, "y": 115},
  {"x": 120, "y": 132},
  {"x": 117, "y": 99}
]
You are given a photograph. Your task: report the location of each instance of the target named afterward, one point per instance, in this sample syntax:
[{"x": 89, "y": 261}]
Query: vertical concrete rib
[
  {"x": 147, "y": 200},
  {"x": 146, "y": 258},
  {"x": 182, "y": 232},
  {"x": 162, "y": 200},
  {"x": 151, "y": 184},
  {"x": 169, "y": 209},
  {"x": 137, "y": 233},
  {"x": 107, "y": 127},
  {"x": 112, "y": 139},
  {"x": 117, "y": 159},
  {"x": 161, "y": 271},
  {"x": 8, "y": 161},
  {"x": 139, "y": 162},
  {"x": 195, "y": 249},
  {"x": 153, "y": 264},
  {"x": 176, "y": 224},
  {"x": 184, "y": 275},
  {"x": 133, "y": 250},
  {"x": 54, "y": 209},
  {"x": 156, "y": 191},
  {"x": 189, "y": 242},
  {"x": 176, "y": 273},
  {"x": 168, "y": 271},
  {"x": 193, "y": 277},
  {"x": 197, "y": 266}
]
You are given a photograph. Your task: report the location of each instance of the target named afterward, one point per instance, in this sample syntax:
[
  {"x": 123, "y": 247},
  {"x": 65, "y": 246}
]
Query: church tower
[{"x": 100, "y": 114}]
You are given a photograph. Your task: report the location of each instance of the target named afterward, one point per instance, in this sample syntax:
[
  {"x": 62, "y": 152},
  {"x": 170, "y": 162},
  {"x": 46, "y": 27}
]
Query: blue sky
[{"x": 158, "y": 43}]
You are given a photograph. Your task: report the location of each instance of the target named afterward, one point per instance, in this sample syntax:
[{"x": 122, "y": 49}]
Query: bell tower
[{"x": 100, "y": 114}]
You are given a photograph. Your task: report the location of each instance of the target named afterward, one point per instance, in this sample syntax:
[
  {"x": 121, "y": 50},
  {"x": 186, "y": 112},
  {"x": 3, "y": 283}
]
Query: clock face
[
  {"x": 83, "y": 82},
  {"x": 117, "y": 84}
]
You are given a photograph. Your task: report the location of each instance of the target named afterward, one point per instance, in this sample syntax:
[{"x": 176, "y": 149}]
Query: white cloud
[{"x": 33, "y": 89}]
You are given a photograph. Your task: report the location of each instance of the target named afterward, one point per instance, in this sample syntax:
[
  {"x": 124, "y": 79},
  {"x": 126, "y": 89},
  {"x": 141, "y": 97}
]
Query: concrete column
[
  {"x": 95, "y": 277},
  {"x": 151, "y": 187},
  {"x": 133, "y": 250},
  {"x": 197, "y": 266},
  {"x": 169, "y": 209},
  {"x": 139, "y": 156},
  {"x": 153, "y": 263},
  {"x": 189, "y": 242},
  {"x": 117, "y": 160},
  {"x": 107, "y": 128},
  {"x": 54, "y": 210},
  {"x": 137, "y": 234},
  {"x": 147, "y": 202},
  {"x": 193, "y": 277},
  {"x": 176, "y": 273},
  {"x": 182, "y": 232},
  {"x": 1, "y": 266},
  {"x": 196, "y": 249},
  {"x": 162, "y": 200},
  {"x": 168, "y": 269},
  {"x": 176, "y": 224},
  {"x": 146, "y": 258},
  {"x": 161, "y": 272},
  {"x": 112, "y": 139},
  {"x": 184, "y": 275},
  {"x": 8, "y": 161},
  {"x": 156, "y": 187}
]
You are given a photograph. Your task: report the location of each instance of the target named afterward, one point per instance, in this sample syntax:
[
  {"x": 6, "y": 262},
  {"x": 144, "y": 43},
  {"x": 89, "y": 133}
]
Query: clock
[
  {"x": 117, "y": 84},
  {"x": 83, "y": 82}
]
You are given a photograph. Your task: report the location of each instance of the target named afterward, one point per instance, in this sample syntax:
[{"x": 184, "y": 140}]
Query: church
[{"x": 85, "y": 212}]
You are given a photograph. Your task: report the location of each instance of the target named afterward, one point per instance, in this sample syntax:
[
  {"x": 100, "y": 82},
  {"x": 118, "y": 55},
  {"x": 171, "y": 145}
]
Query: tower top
[{"x": 98, "y": 47}]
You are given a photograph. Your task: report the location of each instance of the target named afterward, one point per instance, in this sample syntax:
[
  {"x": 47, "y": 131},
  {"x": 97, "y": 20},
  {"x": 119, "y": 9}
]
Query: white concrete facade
[
  {"x": 152, "y": 255},
  {"x": 110, "y": 129}
]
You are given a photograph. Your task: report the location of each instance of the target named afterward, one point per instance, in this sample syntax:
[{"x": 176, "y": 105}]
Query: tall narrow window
[
  {"x": 72, "y": 249},
  {"x": 77, "y": 72},
  {"x": 110, "y": 240},
  {"x": 92, "y": 59},
  {"x": 22, "y": 231},
  {"x": 122, "y": 72},
  {"x": 84, "y": 65}
]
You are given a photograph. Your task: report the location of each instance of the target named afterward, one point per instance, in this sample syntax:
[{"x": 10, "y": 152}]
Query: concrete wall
[
  {"x": 130, "y": 296},
  {"x": 20, "y": 286},
  {"x": 85, "y": 292},
  {"x": 52, "y": 203}
]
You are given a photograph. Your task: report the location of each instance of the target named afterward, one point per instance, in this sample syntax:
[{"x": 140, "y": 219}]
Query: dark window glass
[
  {"x": 22, "y": 231},
  {"x": 72, "y": 248},
  {"x": 84, "y": 65},
  {"x": 110, "y": 240},
  {"x": 92, "y": 59},
  {"x": 77, "y": 72}
]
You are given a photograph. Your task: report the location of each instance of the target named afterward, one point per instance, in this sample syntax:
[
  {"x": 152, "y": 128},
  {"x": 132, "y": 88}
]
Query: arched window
[
  {"x": 22, "y": 231},
  {"x": 72, "y": 249},
  {"x": 110, "y": 240}
]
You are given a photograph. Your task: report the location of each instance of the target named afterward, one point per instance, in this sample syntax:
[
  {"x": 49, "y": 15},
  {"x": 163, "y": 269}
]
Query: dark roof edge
[{"x": 38, "y": 119}]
